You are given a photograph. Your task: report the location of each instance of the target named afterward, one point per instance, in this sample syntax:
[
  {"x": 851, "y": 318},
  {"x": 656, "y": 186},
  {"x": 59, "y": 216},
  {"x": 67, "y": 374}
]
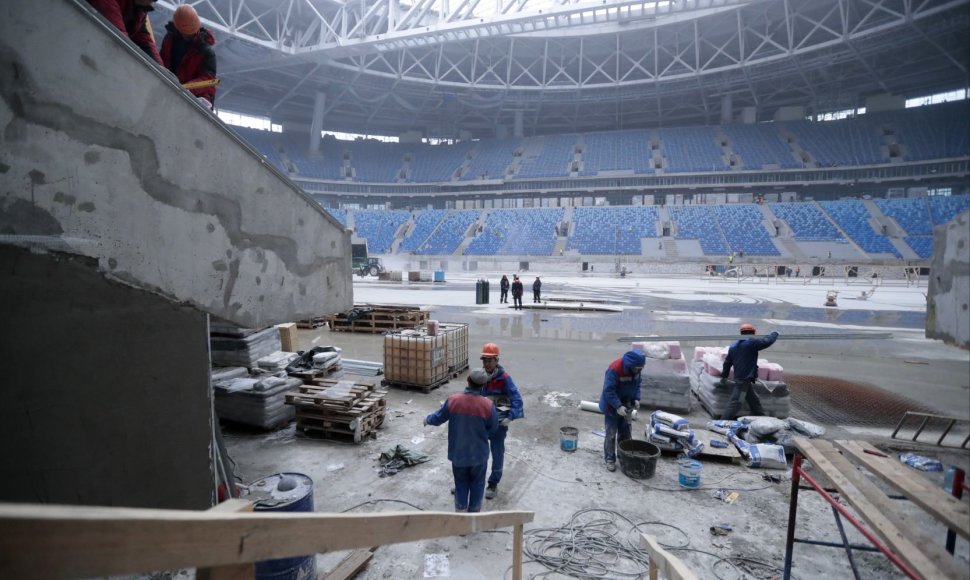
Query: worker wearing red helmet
[
  {"x": 743, "y": 356},
  {"x": 187, "y": 51},
  {"x": 502, "y": 391}
]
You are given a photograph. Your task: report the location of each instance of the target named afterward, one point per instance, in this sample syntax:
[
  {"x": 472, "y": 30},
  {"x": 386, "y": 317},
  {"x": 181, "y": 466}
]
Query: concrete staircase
[
  {"x": 791, "y": 247},
  {"x": 670, "y": 248}
]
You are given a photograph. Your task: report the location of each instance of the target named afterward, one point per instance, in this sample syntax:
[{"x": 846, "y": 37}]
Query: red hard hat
[
  {"x": 490, "y": 349},
  {"x": 748, "y": 329}
]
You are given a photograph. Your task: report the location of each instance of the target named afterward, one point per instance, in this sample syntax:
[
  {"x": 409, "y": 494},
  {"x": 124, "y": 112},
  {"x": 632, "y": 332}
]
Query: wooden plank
[
  {"x": 244, "y": 571},
  {"x": 517, "y": 533},
  {"x": 664, "y": 562},
  {"x": 952, "y": 512},
  {"x": 898, "y": 532},
  {"x": 55, "y": 541},
  {"x": 351, "y": 565}
]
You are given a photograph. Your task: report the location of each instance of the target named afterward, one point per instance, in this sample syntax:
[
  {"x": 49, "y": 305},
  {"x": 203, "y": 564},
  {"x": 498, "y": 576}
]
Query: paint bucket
[
  {"x": 637, "y": 459},
  {"x": 284, "y": 492},
  {"x": 568, "y": 438},
  {"x": 690, "y": 473}
]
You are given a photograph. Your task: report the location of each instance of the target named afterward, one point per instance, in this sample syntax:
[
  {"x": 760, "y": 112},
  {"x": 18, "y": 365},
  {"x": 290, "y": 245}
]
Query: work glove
[
  {"x": 621, "y": 411},
  {"x": 636, "y": 405},
  {"x": 505, "y": 422}
]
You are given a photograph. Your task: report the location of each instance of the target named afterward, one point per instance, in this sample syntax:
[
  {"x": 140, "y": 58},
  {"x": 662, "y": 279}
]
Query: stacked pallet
[
  {"x": 234, "y": 346},
  {"x": 339, "y": 409},
  {"x": 255, "y": 400},
  {"x": 378, "y": 318},
  {"x": 705, "y": 377}
]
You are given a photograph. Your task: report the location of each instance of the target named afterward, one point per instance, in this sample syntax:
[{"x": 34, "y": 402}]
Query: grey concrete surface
[
  {"x": 102, "y": 155},
  {"x": 948, "y": 313},
  {"x": 106, "y": 389}
]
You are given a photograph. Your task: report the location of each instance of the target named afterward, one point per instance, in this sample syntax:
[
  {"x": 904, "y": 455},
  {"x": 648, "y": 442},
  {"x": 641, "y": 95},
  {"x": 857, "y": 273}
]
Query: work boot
[
  {"x": 610, "y": 466},
  {"x": 491, "y": 491}
]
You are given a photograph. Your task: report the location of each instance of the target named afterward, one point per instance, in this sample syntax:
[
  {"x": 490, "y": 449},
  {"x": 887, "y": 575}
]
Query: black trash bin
[{"x": 481, "y": 292}]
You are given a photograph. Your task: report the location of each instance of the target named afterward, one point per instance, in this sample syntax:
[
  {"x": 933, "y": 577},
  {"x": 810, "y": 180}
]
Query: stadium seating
[
  {"x": 549, "y": 157},
  {"x": 922, "y": 245},
  {"x": 375, "y": 161},
  {"x": 944, "y": 209},
  {"x": 853, "y": 217},
  {"x": 512, "y": 232},
  {"x": 807, "y": 222},
  {"x": 912, "y": 214},
  {"x": 760, "y": 145},
  {"x": 936, "y": 132},
  {"x": 424, "y": 224},
  {"x": 450, "y": 233},
  {"x": 339, "y": 214},
  {"x": 326, "y": 164},
  {"x": 378, "y": 227},
  {"x": 612, "y": 230},
  {"x": 744, "y": 230},
  {"x": 691, "y": 149},
  {"x": 839, "y": 143},
  {"x": 434, "y": 163},
  {"x": 699, "y": 222},
  {"x": 265, "y": 142},
  {"x": 616, "y": 151},
  {"x": 492, "y": 156}
]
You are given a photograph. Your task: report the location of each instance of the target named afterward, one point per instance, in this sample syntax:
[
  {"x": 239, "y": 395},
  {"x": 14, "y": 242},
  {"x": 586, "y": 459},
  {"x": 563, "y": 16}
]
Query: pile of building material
[
  {"x": 241, "y": 347},
  {"x": 705, "y": 377},
  {"x": 339, "y": 409},
  {"x": 413, "y": 359},
  {"x": 672, "y": 432},
  {"x": 378, "y": 318},
  {"x": 318, "y": 362},
  {"x": 664, "y": 381},
  {"x": 254, "y": 398}
]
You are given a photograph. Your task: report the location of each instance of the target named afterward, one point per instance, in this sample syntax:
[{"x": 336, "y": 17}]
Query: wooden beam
[
  {"x": 663, "y": 562},
  {"x": 53, "y": 541},
  {"x": 517, "y": 552},
  {"x": 245, "y": 571},
  {"x": 899, "y": 532},
  {"x": 351, "y": 565},
  {"x": 953, "y": 513}
]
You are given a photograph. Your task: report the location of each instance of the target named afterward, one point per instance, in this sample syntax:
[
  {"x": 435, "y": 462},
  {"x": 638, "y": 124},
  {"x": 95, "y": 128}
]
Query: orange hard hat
[
  {"x": 186, "y": 20},
  {"x": 748, "y": 329},
  {"x": 490, "y": 349}
]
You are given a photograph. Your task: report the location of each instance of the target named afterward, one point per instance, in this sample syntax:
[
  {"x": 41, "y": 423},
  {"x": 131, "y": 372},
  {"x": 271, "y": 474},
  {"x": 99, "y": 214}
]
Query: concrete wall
[
  {"x": 104, "y": 156},
  {"x": 947, "y": 309},
  {"x": 106, "y": 397}
]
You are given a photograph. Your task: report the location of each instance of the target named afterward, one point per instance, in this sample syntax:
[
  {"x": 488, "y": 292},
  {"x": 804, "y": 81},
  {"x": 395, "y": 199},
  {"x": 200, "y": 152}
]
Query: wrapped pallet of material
[
  {"x": 412, "y": 358},
  {"x": 665, "y": 384},
  {"x": 456, "y": 345},
  {"x": 714, "y": 397}
]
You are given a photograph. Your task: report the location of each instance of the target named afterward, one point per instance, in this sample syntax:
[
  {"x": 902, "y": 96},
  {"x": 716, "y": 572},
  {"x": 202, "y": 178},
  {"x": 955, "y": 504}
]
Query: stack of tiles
[
  {"x": 233, "y": 346},
  {"x": 665, "y": 384},
  {"x": 258, "y": 401}
]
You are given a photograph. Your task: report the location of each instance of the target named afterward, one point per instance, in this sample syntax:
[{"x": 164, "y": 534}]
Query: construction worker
[
  {"x": 516, "y": 293},
  {"x": 131, "y": 18},
  {"x": 471, "y": 418},
  {"x": 620, "y": 397},
  {"x": 743, "y": 356},
  {"x": 504, "y": 287},
  {"x": 537, "y": 290},
  {"x": 187, "y": 52},
  {"x": 503, "y": 392}
]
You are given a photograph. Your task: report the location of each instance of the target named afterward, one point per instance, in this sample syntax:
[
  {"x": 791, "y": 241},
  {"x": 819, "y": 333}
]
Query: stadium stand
[
  {"x": 617, "y": 151},
  {"x": 699, "y": 222},
  {"x": 450, "y": 233},
  {"x": 265, "y": 142},
  {"x": 936, "y": 132},
  {"x": 492, "y": 156},
  {"x": 378, "y": 227},
  {"x": 547, "y": 156},
  {"x": 691, "y": 149},
  {"x": 853, "y": 217},
  {"x": 612, "y": 230},
  {"x": 327, "y": 164},
  {"x": 375, "y": 161},
  {"x": 339, "y": 214},
  {"x": 743, "y": 228},
  {"x": 912, "y": 214},
  {"x": 424, "y": 224},
  {"x": 944, "y": 209},
  {"x": 807, "y": 222},
  {"x": 839, "y": 143},
  {"x": 433, "y": 163},
  {"x": 922, "y": 245},
  {"x": 760, "y": 146},
  {"x": 511, "y": 232}
]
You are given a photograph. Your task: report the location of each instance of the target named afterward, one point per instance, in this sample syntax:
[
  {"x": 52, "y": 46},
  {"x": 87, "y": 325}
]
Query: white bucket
[{"x": 690, "y": 473}]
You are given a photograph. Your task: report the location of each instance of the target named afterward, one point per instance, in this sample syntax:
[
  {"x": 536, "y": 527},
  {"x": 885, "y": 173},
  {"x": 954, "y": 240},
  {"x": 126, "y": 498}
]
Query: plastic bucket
[
  {"x": 284, "y": 492},
  {"x": 569, "y": 438},
  {"x": 439, "y": 275},
  {"x": 432, "y": 328},
  {"x": 637, "y": 459},
  {"x": 690, "y": 473}
]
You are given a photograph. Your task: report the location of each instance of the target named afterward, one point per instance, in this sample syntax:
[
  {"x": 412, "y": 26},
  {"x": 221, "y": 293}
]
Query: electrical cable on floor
[
  {"x": 731, "y": 561},
  {"x": 370, "y": 501}
]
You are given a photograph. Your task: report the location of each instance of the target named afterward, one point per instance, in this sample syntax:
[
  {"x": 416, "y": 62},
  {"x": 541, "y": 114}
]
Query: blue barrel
[
  {"x": 284, "y": 492},
  {"x": 439, "y": 275}
]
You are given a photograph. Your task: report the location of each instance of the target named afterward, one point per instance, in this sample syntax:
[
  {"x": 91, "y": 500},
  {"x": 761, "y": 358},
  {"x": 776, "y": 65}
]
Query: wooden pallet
[
  {"x": 379, "y": 319},
  {"x": 308, "y": 376},
  {"x": 355, "y": 415},
  {"x": 412, "y": 387},
  {"x": 312, "y": 323}
]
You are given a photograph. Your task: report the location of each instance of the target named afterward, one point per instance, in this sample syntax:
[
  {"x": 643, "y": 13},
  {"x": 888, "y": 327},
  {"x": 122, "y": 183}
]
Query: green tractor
[{"x": 364, "y": 265}]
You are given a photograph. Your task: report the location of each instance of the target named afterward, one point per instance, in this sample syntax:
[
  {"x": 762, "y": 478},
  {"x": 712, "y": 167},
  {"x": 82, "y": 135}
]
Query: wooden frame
[
  {"x": 663, "y": 562},
  {"x": 55, "y": 541}
]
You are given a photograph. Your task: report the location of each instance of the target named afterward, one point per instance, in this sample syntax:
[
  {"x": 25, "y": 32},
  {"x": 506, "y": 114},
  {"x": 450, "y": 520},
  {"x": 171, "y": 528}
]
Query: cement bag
[
  {"x": 669, "y": 419},
  {"x": 810, "y": 430},
  {"x": 786, "y": 438},
  {"x": 762, "y": 426},
  {"x": 767, "y": 456},
  {"x": 671, "y": 433},
  {"x": 724, "y": 427}
]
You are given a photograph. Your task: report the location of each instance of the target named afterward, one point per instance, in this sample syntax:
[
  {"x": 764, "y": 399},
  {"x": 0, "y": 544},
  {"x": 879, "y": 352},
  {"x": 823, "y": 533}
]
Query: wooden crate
[{"x": 414, "y": 359}]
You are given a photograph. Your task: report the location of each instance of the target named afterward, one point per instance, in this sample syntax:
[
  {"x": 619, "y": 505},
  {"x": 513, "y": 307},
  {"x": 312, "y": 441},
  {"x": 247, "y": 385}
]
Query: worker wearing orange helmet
[
  {"x": 187, "y": 51},
  {"x": 743, "y": 356},
  {"x": 502, "y": 391}
]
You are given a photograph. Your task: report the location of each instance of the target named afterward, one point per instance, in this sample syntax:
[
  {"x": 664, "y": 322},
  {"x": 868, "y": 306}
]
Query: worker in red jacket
[
  {"x": 187, "y": 51},
  {"x": 131, "y": 18}
]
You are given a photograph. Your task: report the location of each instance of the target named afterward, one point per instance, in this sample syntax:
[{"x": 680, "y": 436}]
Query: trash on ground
[{"x": 920, "y": 462}]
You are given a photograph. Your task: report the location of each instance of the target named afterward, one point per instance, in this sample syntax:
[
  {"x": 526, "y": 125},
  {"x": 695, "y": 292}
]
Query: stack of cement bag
[
  {"x": 764, "y": 441},
  {"x": 242, "y": 347},
  {"x": 254, "y": 398},
  {"x": 705, "y": 377},
  {"x": 672, "y": 432},
  {"x": 664, "y": 381}
]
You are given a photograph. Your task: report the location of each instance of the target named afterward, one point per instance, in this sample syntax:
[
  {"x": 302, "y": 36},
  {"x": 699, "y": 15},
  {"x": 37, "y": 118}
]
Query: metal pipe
[
  {"x": 835, "y": 544},
  {"x": 903, "y": 567},
  {"x": 846, "y": 544},
  {"x": 732, "y": 337},
  {"x": 792, "y": 512},
  {"x": 958, "y": 484}
]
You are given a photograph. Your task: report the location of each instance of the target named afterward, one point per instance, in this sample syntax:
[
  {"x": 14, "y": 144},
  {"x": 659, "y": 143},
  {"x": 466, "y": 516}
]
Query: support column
[
  {"x": 727, "y": 109},
  {"x": 517, "y": 128},
  {"x": 316, "y": 126}
]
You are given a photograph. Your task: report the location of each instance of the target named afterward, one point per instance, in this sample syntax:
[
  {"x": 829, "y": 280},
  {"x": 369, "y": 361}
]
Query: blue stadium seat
[
  {"x": 945, "y": 208},
  {"x": 424, "y": 224},
  {"x": 514, "y": 232},
  {"x": 912, "y": 214},
  {"x": 615, "y": 151},
  {"x": 378, "y": 227},
  {"x": 551, "y": 159},
  {"x": 450, "y": 233},
  {"x": 807, "y": 222},
  {"x": 612, "y": 230},
  {"x": 692, "y": 149},
  {"x": 699, "y": 222},
  {"x": 853, "y": 217},
  {"x": 743, "y": 228},
  {"x": 760, "y": 145}
]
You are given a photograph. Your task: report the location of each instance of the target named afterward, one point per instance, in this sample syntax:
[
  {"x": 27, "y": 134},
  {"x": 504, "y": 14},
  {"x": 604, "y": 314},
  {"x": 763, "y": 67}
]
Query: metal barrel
[{"x": 284, "y": 492}]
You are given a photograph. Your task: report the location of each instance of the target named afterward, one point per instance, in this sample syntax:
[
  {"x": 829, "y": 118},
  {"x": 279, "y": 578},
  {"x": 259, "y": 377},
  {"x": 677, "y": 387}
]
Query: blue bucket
[
  {"x": 690, "y": 473},
  {"x": 439, "y": 275},
  {"x": 569, "y": 438},
  {"x": 284, "y": 492}
]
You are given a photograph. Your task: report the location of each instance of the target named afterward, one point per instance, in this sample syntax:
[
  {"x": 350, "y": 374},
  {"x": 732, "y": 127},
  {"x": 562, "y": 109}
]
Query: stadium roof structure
[{"x": 438, "y": 66}]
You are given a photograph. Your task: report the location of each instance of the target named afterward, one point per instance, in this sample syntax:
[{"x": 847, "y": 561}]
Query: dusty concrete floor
[{"x": 555, "y": 352}]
